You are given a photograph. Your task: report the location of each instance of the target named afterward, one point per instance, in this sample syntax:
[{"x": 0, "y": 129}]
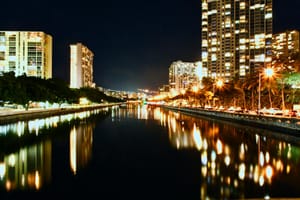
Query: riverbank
[
  {"x": 289, "y": 125},
  {"x": 14, "y": 115}
]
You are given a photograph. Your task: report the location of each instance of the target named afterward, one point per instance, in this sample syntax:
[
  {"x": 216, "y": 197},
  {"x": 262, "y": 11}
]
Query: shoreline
[
  {"x": 15, "y": 115},
  {"x": 288, "y": 125}
]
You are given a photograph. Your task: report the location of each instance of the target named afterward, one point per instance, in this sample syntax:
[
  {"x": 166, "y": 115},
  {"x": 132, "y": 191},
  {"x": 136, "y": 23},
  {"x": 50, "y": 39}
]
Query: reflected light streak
[
  {"x": 288, "y": 169},
  {"x": 279, "y": 165},
  {"x": 20, "y": 128},
  {"x": 204, "y": 158},
  {"x": 11, "y": 160},
  {"x": 219, "y": 147},
  {"x": 205, "y": 145},
  {"x": 197, "y": 137},
  {"x": 242, "y": 171},
  {"x": 37, "y": 180},
  {"x": 269, "y": 172},
  {"x": 213, "y": 155},
  {"x": 73, "y": 150},
  {"x": 261, "y": 159},
  {"x": 227, "y": 160},
  {"x": 173, "y": 124},
  {"x": 267, "y": 157},
  {"x": 2, "y": 170},
  {"x": 8, "y": 185},
  {"x": 256, "y": 174},
  {"x": 157, "y": 115},
  {"x": 204, "y": 171},
  {"x": 23, "y": 180},
  {"x": 261, "y": 180},
  {"x": 242, "y": 151}
]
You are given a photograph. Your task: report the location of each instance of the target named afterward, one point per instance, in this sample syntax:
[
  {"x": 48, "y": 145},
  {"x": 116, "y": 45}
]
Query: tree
[
  {"x": 294, "y": 81},
  {"x": 251, "y": 84}
]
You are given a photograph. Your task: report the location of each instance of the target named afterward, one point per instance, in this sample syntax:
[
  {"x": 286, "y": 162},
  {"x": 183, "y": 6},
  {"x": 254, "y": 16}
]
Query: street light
[
  {"x": 219, "y": 83},
  {"x": 268, "y": 72}
]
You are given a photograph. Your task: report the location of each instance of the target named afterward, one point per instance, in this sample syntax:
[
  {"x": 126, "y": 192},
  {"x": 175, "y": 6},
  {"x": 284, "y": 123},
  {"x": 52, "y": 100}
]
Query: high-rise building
[
  {"x": 236, "y": 37},
  {"x": 185, "y": 75},
  {"x": 81, "y": 66},
  {"x": 27, "y": 53},
  {"x": 286, "y": 43}
]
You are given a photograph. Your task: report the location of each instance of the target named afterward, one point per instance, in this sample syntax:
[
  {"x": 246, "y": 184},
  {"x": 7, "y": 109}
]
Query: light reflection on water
[
  {"x": 28, "y": 168},
  {"x": 31, "y": 166},
  {"x": 34, "y": 126},
  {"x": 234, "y": 159}
]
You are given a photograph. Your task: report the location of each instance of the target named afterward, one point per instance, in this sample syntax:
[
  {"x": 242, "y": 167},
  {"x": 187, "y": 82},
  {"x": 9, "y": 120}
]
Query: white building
[
  {"x": 27, "y": 53},
  {"x": 81, "y": 66},
  {"x": 185, "y": 75}
]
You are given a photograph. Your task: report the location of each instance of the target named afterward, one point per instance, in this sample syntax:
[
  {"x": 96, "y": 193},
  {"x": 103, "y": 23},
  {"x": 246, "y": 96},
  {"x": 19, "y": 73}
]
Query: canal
[{"x": 143, "y": 152}]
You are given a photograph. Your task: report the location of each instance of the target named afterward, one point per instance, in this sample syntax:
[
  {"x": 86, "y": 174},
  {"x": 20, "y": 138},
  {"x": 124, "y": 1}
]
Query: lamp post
[
  {"x": 259, "y": 88},
  {"x": 219, "y": 84},
  {"x": 268, "y": 72}
]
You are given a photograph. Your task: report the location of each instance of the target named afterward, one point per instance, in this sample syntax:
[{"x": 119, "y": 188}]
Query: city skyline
[{"x": 134, "y": 42}]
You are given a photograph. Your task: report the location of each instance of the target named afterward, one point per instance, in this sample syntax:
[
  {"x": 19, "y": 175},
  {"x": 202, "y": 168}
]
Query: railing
[{"x": 278, "y": 123}]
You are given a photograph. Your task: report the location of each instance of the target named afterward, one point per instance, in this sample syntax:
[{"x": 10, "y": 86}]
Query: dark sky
[{"x": 134, "y": 41}]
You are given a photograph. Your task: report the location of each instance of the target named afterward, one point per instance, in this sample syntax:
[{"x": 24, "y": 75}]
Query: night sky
[{"x": 134, "y": 41}]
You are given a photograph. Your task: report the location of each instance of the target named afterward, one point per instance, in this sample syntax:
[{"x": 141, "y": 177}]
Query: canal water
[{"x": 143, "y": 152}]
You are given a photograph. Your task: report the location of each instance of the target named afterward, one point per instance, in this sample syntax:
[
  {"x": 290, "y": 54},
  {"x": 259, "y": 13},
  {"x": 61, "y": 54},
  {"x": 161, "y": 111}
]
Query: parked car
[{"x": 271, "y": 111}]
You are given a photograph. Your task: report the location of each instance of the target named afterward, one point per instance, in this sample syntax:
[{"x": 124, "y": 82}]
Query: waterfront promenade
[
  {"x": 277, "y": 123},
  {"x": 13, "y": 115}
]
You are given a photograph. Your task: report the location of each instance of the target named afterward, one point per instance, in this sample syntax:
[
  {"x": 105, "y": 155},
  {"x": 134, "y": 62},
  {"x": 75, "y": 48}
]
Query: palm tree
[
  {"x": 286, "y": 64},
  {"x": 294, "y": 81},
  {"x": 251, "y": 84},
  {"x": 238, "y": 86}
]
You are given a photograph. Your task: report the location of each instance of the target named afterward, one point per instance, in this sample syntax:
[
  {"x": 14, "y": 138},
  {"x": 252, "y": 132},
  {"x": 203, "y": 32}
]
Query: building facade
[
  {"x": 81, "y": 66},
  {"x": 185, "y": 75},
  {"x": 285, "y": 44},
  {"x": 236, "y": 37},
  {"x": 27, "y": 53}
]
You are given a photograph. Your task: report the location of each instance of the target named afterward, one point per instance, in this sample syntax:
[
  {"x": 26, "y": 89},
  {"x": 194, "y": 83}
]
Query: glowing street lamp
[
  {"x": 219, "y": 83},
  {"x": 268, "y": 73}
]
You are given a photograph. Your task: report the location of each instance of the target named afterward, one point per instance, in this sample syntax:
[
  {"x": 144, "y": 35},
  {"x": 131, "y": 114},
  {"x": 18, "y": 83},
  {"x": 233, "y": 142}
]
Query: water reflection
[
  {"x": 30, "y": 167},
  {"x": 34, "y": 126},
  {"x": 81, "y": 141},
  {"x": 233, "y": 159}
]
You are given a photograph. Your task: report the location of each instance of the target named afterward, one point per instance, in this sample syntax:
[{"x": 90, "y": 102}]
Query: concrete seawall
[
  {"x": 277, "y": 123},
  {"x": 10, "y": 116}
]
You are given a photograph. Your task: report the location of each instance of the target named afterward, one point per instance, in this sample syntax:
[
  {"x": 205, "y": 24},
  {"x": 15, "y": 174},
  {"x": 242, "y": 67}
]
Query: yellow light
[
  {"x": 73, "y": 162},
  {"x": 269, "y": 72},
  {"x": 227, "y": 160},
  {"x": 219, "y": 83},
  {"x": 269, "y": 172},
  {"x": 242, "y": 171},
  {"x": 37, "y": 180}
]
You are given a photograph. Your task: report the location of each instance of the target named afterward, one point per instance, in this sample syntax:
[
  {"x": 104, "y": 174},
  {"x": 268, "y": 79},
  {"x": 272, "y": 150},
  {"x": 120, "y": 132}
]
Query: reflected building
[
  {"x": 81, "y": 143},
  {"x": 81, "y": 66},
  {"x": 26, "y": 52},
  {"x": 236, "y": 37},
  {"x": 29, "y": 168}
]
